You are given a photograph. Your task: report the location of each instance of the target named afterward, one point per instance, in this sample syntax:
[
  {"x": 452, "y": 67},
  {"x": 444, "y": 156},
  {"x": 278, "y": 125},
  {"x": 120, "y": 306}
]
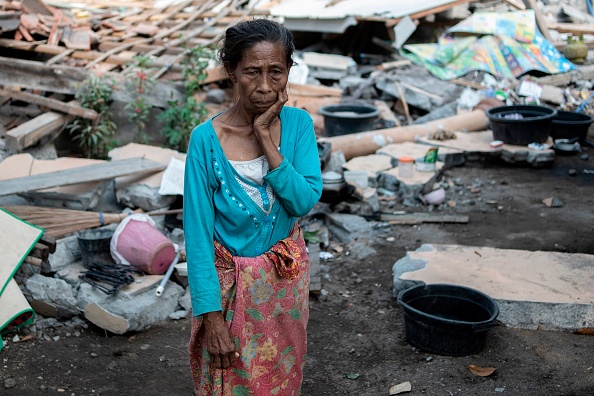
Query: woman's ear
[{"x": 230, "y": 72}]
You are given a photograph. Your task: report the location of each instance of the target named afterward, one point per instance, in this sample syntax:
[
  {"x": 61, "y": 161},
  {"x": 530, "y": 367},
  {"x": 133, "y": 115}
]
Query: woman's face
[{"x": 260, "y": 75}]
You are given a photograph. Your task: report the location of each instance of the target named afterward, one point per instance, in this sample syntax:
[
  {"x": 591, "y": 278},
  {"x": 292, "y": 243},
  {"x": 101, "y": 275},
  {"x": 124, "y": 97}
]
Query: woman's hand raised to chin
[
  {"x": 263, "y": 122},
  {"x": 263, "y": 129}
]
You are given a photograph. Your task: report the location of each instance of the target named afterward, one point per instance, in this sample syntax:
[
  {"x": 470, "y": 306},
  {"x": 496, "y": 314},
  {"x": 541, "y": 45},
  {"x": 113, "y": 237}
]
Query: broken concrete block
[
  {"x": 67, "y": 252},
  {"x": 120, "y": 314},
  {"x": 87, "y": 294},
  {"x": 186, "y": 300},
  {"x": 547, "y": 290},
  {"x": 347, "y": 226},
  {"x": 336, "y": 162},
  {"x": 370, "y": 198},
  {"x": 142, "y": 196},
  {"x": 177, "y": 315},
  {"x": 524, "y": 155},
  {"x": 71, "y": 273},
  {"x": 410, "y": 187},
  {"x": 52, "y": 291}
]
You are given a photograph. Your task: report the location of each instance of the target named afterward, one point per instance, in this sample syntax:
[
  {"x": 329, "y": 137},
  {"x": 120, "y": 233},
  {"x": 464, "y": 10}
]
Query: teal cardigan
[{"x": 216, "y": 207}]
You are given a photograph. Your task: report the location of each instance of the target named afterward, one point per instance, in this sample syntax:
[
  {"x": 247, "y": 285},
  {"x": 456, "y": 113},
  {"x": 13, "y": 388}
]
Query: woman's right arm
[
  {"x": 198, "y": 222},
  {"x": 198, "y": 219}
]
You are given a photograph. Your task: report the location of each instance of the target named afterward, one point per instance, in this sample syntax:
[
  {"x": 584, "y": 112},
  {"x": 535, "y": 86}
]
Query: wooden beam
[
  {"x": 540, "y": 22},
  {"x": 573, "y": 28},
  {"x": 31, "y": 132},
  {"x": 65, "y": 79},
  {"x": 517, "y": 4},
  {"x": 149, "y": 40},
  {"x": 420, "y": 218},
  {"x": 390, "y": 23},
  {"x": 559, "y": 80},
  {"x": 68, "y": 108},
  {"x": 82, "y": 174}
]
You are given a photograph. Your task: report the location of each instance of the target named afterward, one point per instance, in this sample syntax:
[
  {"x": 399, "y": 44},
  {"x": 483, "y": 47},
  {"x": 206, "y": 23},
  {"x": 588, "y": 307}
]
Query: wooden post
[
  {"x": 365, "y": 143},
  {"x": 542, "y": 25}
]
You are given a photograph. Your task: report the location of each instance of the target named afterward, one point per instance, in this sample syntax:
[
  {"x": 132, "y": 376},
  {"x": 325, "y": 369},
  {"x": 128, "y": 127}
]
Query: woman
[{"x": 251, "y": 171}]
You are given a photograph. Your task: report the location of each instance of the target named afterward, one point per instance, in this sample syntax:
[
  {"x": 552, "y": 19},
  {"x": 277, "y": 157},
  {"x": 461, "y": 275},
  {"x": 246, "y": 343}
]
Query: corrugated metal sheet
[{"x": 324, "y": 9}]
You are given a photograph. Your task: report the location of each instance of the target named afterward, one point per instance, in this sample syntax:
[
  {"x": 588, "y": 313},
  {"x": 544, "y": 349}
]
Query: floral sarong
[{"x": 267, "y": 314}]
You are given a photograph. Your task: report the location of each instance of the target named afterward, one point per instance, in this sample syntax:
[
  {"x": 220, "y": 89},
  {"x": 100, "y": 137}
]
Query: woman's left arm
[{"x": 298, "y": 185}]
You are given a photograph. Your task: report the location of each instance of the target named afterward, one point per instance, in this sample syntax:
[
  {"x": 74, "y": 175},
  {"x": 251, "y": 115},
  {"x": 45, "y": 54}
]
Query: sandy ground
[{"x": 357, "y": 344}]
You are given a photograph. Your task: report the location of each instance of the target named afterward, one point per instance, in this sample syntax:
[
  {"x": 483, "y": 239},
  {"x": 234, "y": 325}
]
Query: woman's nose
[{"x": 265, "y": 83}]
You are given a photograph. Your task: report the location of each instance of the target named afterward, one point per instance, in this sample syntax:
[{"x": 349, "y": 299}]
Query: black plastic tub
[
  {"x": 569, "y": 125},
  {"x": 534, "y": 126},
  {"x": 447, "y": 319},
  {"x": 94, "y": 247},
  {"x": 343, "y": 119}
]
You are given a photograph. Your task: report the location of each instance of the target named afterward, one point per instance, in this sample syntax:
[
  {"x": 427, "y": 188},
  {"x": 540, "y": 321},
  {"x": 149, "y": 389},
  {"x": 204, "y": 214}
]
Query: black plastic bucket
[
  {"x": 343, "y": 119},
  {"x": 447, "y": 319},
  {"x": 569, "y": 125},
  {"x": 94, "y": 247},
  {"x": 533, "y": 127}
]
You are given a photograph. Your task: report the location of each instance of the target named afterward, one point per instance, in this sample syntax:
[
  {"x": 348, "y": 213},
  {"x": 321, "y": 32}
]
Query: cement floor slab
[{"x": 550, "y": 290}]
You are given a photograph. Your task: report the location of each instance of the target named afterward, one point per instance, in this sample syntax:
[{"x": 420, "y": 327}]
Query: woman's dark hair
[{"x": 245, "y": 35}]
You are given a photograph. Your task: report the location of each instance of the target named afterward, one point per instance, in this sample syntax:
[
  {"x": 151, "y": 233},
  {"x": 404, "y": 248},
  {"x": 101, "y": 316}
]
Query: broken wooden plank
[
  {"x": 573, "y": 28},
  {"x": 314, "y": 90},
  {"x": 68, "y": 108},
  {"x": 562, "y": 79},
  {"x": 540, "y": 21},
  {"x": 36, "y": 7},
  {"x": 66, "y": 79},
  {"x": 390, "y": 23},
  {"x": 420, "y": 218},
  {"x": 83, "y": 174},
  {"x": 517, "y": 4},
  {"x": 31, "y": 132}
]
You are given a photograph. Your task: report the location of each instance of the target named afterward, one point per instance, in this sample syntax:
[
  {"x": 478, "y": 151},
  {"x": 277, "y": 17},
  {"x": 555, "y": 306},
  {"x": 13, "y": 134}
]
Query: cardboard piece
[{"x": 17, "y": 239}]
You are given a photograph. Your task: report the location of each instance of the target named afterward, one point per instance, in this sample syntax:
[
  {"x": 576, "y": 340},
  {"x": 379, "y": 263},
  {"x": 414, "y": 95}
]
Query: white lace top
[{"x": 254, "y": 171}]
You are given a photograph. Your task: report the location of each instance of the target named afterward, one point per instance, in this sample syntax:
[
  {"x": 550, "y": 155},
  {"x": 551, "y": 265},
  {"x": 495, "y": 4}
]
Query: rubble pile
[{"x": 432, "y": 101}]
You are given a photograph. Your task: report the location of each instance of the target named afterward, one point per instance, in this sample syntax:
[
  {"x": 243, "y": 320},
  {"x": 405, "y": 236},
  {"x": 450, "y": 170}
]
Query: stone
[
  {"x": 51, "y": 290},
  {"x": 216, "y": 95},
  {"x": 143, "y": 196},
  {"x": 71, "y": 273},
  {"x": 348, "y": 226},
  {"x": 10, "y": 383},
  {"x": 123, "y": 313},
  {"x": 177, "y": 315},
  {"x": 186, "y": 300},
  {"x": 67, "y": 252}
]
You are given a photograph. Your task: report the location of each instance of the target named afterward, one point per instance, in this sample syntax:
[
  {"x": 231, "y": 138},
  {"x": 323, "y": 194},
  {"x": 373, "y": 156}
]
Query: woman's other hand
[{"x": 219, "y": 341}]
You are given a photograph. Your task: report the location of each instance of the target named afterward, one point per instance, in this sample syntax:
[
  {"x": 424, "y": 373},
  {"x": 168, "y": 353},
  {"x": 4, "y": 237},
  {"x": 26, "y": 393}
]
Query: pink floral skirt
[{"x": 265, "y": 304}]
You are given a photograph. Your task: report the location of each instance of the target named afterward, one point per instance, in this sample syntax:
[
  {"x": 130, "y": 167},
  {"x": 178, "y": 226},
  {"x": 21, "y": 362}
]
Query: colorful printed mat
[
  {"x": 17, "y": 238},
  {"x": 503, "y": 44}
]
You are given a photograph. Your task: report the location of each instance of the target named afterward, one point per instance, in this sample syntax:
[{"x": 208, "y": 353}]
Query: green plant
[
  {"x": 139, "y": 82},
  {"x": 182, "y": 116},
  {"x": 94, "y": 135}
]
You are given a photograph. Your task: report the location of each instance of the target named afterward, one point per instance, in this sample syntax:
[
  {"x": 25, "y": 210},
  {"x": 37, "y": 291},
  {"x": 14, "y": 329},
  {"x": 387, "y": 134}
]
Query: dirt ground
[{"x": 357, "y": 344}]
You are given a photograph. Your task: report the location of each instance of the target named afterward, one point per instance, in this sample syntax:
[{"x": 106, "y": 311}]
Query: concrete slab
[
  {"x": 550, "y": 290},
  {"x": 417, "y": 150},
  {"x": 478, "y": 142},
  {"x": 372, "y": 164}
]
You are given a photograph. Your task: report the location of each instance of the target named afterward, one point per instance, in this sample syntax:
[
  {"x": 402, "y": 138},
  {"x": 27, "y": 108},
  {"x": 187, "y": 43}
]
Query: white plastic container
[{"x": 405, "y": 167}]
